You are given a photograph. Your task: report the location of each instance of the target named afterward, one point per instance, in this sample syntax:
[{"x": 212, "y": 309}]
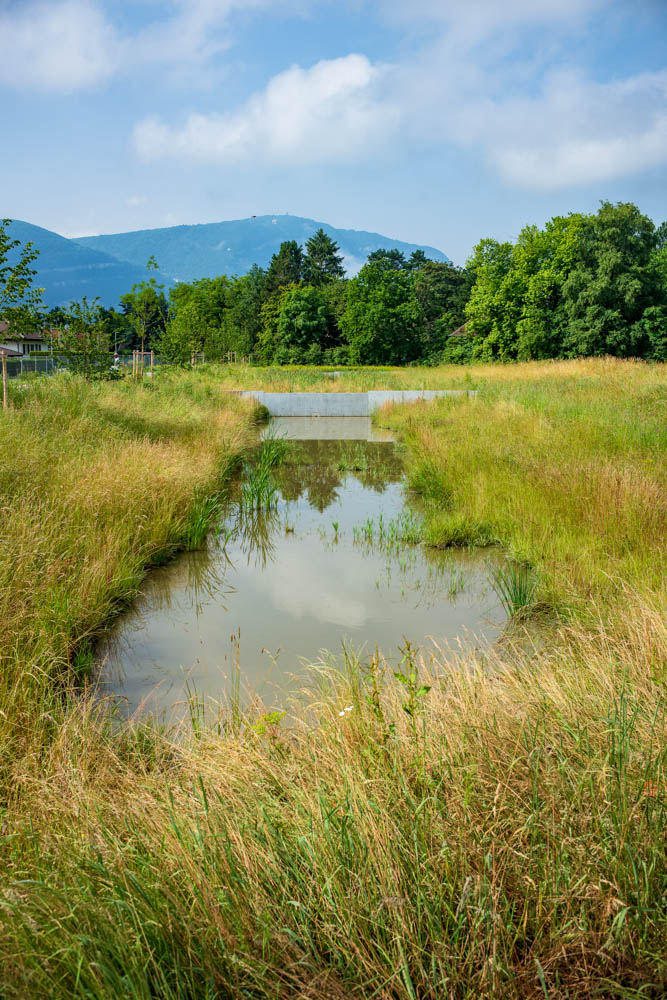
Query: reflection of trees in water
[
  {"x": 311, "y": 469},
  {"x": 316, "y": 469}
]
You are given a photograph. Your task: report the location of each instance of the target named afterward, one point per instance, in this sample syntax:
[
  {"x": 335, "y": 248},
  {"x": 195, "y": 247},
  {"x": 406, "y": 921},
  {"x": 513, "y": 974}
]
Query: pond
[{"x": 332, "y": 563}]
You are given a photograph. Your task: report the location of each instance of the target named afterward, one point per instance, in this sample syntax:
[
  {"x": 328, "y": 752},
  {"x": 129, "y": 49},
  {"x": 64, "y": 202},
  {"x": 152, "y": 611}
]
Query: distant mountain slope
[
  {"x": 185, "y": 253},
  {"x": 67, "y": 270}
]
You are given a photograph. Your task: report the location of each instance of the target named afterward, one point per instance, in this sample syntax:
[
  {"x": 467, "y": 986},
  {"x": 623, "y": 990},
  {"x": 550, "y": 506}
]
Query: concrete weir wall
[{"x": 342, "y": 404}]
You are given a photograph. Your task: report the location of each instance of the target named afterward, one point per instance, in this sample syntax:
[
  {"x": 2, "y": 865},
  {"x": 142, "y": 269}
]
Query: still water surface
[{"x": 270, "y": 592}]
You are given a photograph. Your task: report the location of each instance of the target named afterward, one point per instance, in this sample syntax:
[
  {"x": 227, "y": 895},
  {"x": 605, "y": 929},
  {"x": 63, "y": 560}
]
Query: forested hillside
[{"x": 583, "y": 285}]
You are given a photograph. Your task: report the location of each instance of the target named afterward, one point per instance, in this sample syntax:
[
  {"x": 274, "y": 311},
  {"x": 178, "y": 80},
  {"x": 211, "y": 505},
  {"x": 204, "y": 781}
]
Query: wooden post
[
  {"x": 152, "y": 361},
  {"x": 5, "y": 400}
]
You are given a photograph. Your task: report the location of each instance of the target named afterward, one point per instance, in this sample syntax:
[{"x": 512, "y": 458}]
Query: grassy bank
[
  {"x": 563, "y": 464},
  {"x": 97, "y": 482},
  {"x": 499, "y": 835}
]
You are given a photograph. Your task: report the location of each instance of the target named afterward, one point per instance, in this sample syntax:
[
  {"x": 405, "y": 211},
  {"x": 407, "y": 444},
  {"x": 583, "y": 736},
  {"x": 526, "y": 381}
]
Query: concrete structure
[{"x": 342, "y": 404}]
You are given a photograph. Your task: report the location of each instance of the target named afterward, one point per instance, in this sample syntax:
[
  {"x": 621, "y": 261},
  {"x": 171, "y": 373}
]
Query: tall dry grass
[
  {"x": 97, "y": 482},
  {"x": 504, "y": 838}
]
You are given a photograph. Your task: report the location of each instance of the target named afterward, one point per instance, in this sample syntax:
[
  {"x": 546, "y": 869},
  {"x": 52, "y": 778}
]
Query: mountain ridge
[
  {"x": 206, "y": 249},
  {"x": 67, "y": 270},
  {"x": 106, "y": 266}
]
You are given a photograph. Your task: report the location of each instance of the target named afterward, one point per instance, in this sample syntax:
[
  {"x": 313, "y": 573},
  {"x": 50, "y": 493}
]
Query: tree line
[{"x": 582, "y": 285}]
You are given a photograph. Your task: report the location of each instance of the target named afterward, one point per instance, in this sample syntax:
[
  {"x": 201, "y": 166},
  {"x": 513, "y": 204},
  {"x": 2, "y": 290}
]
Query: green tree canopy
[
  {"x": 441, "y": 290},
  {"x": 83, "y": 339},
  {"x": 298, "y": 329},
  {"x": 582, "y": 285},
  {"x": 416, "y": 260},
  {"x": 491, "y": 265},
  {"x": 19, "y": 300},
  {"x": 243, "y": 317},
  {"x": 196, "y": 320},
  {"x": 393, "y": 260},
  {"x": 614, "y": 298},
  {"x": 322, "y": 261},
  {"x": 381, "y": 319},
  {"x": 146, "y": 308},
  {"x": 285, "y": 268}
]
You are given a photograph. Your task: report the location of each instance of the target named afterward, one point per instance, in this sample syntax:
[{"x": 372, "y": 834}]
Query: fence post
[
  {"x": 5, "y": 400},
  {"x": 152, "y": 361}
]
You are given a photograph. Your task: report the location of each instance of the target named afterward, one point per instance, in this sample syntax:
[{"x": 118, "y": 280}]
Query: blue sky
[{"x": 433, "y": 121}]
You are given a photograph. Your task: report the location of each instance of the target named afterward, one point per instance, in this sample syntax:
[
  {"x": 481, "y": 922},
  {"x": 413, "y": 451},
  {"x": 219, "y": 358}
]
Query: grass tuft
[{"x": 516, "y": 584}]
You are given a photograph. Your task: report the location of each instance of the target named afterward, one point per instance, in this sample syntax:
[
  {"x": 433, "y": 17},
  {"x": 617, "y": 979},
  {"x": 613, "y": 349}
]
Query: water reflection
[
  {"x": 331, "y": 563},
  {"x": 317, "y": 469}
]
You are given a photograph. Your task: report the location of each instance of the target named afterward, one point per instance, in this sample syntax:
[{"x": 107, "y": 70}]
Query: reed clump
[{"x": 490, "y": 826}]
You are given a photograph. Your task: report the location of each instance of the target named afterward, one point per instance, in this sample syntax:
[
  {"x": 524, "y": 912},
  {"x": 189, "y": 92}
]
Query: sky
[{"x": 433, "y": 121}]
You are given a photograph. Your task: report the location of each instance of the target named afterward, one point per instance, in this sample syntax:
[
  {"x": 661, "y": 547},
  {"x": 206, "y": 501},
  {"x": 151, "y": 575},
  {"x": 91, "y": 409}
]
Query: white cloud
[
  {"x": 579, "y": 132},
  {"x": 62, "y": 46},
  {"x": 135, "y": 200},
  {"x": 335, "y": 110},
  {"x": 474, "y": 82},
  {"x": 56, "y": 46},
  {"x": 498, "y": 78}
]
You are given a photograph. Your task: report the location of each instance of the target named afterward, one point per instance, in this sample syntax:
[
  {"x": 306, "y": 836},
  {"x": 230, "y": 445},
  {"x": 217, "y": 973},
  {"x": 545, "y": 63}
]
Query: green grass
[
  {"x": 259, "y": 490},
  {"x": 515, "y": 583},
  {"x": 565, "y": 470},
  {"x": 490, "y": 826}
]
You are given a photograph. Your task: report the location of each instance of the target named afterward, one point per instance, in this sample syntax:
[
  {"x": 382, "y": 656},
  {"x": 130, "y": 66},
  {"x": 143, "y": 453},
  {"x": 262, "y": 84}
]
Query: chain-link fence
[
  {"x": 42, "y": 364},
  {"x": 48, "y": 364},
  {"x": 31, "y": 365}
]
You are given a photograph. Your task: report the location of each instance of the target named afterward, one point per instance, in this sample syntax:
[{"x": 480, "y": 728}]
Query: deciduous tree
[
  {"x": 19, "y": 299},
  {"x": 83, "y": 340},
  {"x": 146, "y": 308},
  {"x": 381, "y": 319}
]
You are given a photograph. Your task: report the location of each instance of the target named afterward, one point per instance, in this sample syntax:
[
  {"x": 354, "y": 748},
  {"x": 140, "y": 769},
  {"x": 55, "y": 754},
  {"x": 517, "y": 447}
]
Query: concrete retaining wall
[{"x": 341, "y": 404}]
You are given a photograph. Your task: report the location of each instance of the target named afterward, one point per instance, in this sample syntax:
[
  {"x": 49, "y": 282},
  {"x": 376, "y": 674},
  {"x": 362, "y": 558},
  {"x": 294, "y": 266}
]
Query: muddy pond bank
[{"x": 330, "y": 562}]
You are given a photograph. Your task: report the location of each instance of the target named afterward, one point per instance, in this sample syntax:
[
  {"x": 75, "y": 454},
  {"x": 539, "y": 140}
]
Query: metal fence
[
  {"x": 47, "y": 364},
  {"x": 31, "y": 365},
  {"x": 43, "y": 364}
]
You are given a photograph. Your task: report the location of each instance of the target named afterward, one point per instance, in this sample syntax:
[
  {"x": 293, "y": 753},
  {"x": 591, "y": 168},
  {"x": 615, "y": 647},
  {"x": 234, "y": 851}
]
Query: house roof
[
  {"x": 461, "y": 331},
  {"x": 9, "y": 353},
  {"x": 5, "y": 331}
]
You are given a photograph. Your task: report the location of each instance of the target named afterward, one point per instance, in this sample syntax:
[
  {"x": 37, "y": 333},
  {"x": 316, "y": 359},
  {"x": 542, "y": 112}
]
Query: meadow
[{"x": 494, "y": 827}]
